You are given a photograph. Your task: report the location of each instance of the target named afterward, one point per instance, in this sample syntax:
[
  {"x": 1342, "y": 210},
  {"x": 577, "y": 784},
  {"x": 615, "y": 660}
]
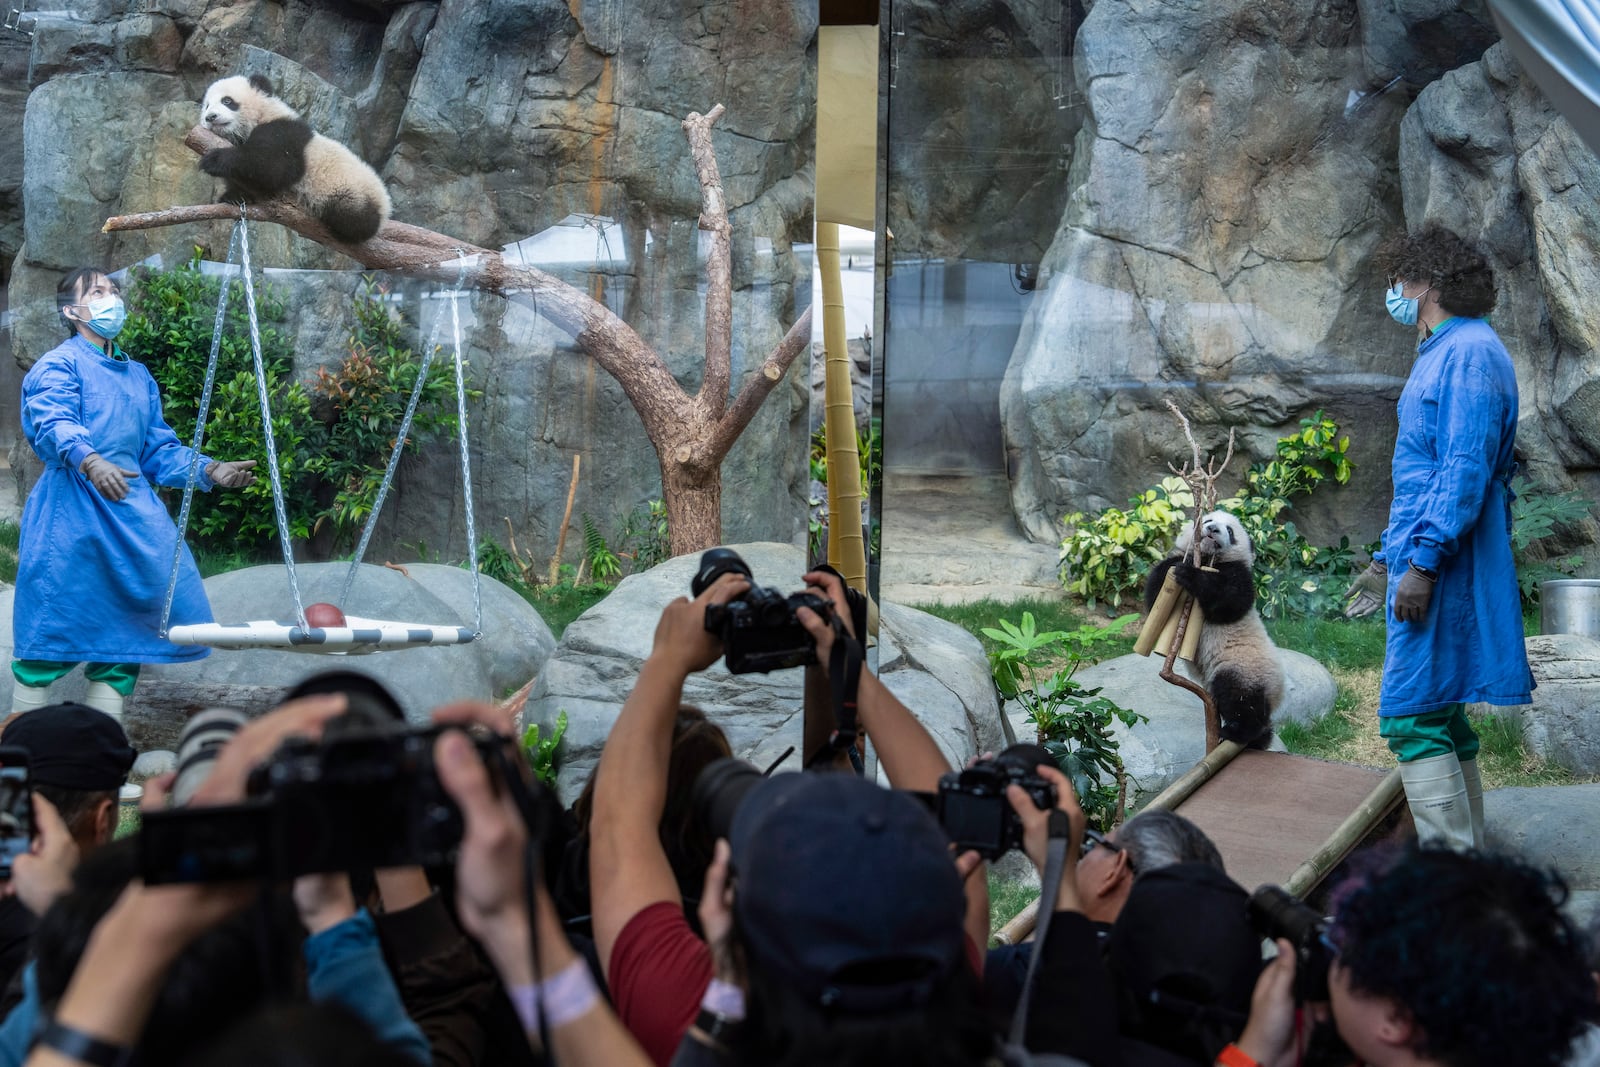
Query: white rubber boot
[
  {"x": 1474, "y": 784},
  {"x": 28, "y": 697},
  {"x": 102, "y": 697},
  {"x": 1436, "y": 790}
]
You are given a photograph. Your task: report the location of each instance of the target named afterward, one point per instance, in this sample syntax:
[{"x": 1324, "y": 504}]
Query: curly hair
[
  {"x": 1456, "y": 269},
  {"x": 1477, "y": 951}
]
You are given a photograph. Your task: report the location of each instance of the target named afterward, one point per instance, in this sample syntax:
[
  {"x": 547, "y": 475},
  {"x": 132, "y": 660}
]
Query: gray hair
[{"x": 1157, "y": 839}]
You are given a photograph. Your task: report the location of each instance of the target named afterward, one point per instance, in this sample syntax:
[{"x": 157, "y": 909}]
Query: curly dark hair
[
  {"x": 1455, "y": 267},
  {"x": 1476, "y": 949}
]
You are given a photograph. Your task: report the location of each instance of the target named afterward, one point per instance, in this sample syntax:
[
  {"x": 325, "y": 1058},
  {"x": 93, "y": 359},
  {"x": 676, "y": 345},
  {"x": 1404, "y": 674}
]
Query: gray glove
[
  {"x": 1413, "y": 595},
  {"x": 1366, "y": 593},
  {"x": 110, "y": 479},
  {"x": 234, "y": 474}
]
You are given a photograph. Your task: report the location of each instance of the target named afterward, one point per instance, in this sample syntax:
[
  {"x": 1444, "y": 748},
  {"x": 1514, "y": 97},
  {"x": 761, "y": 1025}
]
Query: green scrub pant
[
  {"x": 38, "y": 673},
  {"x": 1433, "y": 733}
]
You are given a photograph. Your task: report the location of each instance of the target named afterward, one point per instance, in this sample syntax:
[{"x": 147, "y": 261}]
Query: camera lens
[
  {"x": 203, "y": 737},
  {"x": 714, "y": 563},
  {"x": 719, "y": 789}
]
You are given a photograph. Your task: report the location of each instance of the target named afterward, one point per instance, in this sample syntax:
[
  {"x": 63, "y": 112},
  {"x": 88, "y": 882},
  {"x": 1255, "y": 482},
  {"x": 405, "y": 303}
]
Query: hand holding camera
[
  {"x": 684, "y": 635},
  {"x": 1036, "y": 827}
]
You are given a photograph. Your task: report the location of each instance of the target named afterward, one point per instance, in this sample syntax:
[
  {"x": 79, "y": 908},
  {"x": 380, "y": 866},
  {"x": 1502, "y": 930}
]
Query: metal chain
[
  {"x": 266, "y": 429},
  {"x": 199, "y": 434}
]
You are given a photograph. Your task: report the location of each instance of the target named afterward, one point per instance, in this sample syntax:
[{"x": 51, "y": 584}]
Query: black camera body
[
  {"x": 759, "y": 631},
  {"x": 1274, "y": 914},
  {"x": 972, "y": 807},
  {"x": 366, "y": 796}
]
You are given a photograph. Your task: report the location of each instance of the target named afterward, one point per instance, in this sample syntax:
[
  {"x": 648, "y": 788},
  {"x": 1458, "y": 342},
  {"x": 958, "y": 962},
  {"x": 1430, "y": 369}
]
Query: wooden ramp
[{"x": 1272, "y": 813}]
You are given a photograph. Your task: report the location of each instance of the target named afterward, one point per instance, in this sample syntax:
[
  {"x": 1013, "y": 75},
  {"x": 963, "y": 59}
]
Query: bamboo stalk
[
  {"x": 1190, "y": 649},
  {"x": 566, "y": 519},
  {"x": 1160, "y": 611},
  {"x": 847, "y": 547},
  {"x": 1347, "y": 836},
  {"x": 1169, "y": 629}
]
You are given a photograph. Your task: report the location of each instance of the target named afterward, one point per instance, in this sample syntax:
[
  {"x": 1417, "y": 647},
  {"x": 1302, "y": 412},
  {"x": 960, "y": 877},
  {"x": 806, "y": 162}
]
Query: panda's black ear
[{"x": 261, "y": 85}]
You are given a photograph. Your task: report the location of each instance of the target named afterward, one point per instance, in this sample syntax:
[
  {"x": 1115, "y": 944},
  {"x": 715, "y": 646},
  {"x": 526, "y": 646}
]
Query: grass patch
[
  {"x": 127, "y": 820},
  {"x": 562, "y": 603},
  {"x": 1007, "y": 898},
  {"x": 10, "y": 537}
]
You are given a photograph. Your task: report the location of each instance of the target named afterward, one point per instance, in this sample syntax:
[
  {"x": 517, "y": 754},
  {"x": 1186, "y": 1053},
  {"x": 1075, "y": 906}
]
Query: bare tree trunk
[{"x": 691, "y": 435}]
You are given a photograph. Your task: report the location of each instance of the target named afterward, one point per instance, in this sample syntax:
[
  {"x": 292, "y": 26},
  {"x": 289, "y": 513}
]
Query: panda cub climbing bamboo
[
  {"x": 1237, "y": 660},
  {"x": 277, "y": 155}
]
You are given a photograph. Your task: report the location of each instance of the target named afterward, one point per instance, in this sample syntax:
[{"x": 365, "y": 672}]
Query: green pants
[
  {"x": 38, "y": 673},
  {"x": 1434, "y": 733}
]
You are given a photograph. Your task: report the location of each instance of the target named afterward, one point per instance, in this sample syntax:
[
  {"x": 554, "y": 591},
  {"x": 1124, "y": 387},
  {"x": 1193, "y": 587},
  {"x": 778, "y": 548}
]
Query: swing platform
[{"x": 361, "y": 637}]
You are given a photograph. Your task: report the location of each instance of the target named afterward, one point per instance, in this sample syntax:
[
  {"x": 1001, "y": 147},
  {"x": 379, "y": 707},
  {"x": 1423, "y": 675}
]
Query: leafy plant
[
  {"x": 1106, "y": 558},
  {"x": 645, "y": 535},
  {"x": 359, "y": 409},
  {"x": 869, "y": 444},
  {"x": 1035, "y": 669},
  {"x": 1536, "y": 514},
  {"x": 542, "y": 750},
  {"x": 603, "y": 563}
]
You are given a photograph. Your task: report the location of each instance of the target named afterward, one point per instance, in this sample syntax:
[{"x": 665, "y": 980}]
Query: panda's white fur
[
  {"x": 277, "y": 154},
  {"x": 1238, "y": 662}
]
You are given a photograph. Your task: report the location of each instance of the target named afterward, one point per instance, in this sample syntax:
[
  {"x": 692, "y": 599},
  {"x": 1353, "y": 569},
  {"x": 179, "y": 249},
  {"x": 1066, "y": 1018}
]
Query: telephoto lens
[{"x": 202, "y": 738}]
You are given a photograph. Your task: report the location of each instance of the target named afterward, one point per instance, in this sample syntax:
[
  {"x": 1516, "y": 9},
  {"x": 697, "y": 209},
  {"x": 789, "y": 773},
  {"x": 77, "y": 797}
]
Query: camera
[
  {"x": 972, "y": 807},
  {"x": 759, "y": 630},
  {"x": 1274, "y": 914},
  {"x": 16, "y": 806},
  {"x": 365, "y": 796}
]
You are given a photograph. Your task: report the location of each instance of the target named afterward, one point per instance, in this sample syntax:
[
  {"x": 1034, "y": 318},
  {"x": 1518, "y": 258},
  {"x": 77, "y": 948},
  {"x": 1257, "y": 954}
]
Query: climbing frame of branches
[{"x": 1200, "y": 477}]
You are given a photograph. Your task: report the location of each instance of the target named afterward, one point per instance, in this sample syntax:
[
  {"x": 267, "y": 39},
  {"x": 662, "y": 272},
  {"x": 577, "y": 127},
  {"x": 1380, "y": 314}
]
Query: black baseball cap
[{"x": 72, "y": 746}]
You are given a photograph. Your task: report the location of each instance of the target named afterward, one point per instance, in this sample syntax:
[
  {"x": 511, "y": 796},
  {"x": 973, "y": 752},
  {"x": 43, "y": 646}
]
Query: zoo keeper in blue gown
[
  {"x": 1445, "y": 569},
  {"x": 97, "y": 543}
]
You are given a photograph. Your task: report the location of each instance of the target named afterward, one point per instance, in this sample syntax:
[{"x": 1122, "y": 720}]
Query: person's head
[
  {"x": 90, "y": 304},
  {"x": 1440, "y": 270},
  {"x": 220, "y": 978},
  {"x": 696, "y": 743},
  {"x": 78, "y": 758},
  {"x": 1184, "y": 961},
  {"x": 847, "y": 915},
  {"x": 1147, "y": 842},
  {"x": 1462, "y": 959},
  {"x": 294, "y": 1035}
]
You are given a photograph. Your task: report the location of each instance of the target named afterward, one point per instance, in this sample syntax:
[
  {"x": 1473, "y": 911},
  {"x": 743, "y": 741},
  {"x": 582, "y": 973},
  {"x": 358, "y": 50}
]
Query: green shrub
[
  {"x": 645, "y": 536},
  {"x": 1106, "y": 558},
  {"x": 542, "y": 750},
  {"x": 1537, "y": 513},
  {"x": 1035, "y": 670}
]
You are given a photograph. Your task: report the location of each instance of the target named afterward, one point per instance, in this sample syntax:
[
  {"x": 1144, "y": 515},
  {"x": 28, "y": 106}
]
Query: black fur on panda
[
  {"x": 1237, "y": 660},
  {"x": 276, "y": 154}
]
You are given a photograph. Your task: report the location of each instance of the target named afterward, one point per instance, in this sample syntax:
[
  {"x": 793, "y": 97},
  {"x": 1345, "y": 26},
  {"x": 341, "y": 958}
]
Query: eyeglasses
[{"x": 1093, "y": 838}]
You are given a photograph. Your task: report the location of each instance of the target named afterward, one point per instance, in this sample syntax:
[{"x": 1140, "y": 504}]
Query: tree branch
[
  {"x": 713, "y": 396},
  {"x": 750, "y": 398}
]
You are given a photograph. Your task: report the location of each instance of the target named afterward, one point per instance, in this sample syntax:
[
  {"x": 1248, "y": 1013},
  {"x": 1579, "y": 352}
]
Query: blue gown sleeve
[
  {"x": 16, "y": 1033},
  {"x": 344, "y": 964},
  {"x": 1466, "y": 440},
  {"x": 52, "y": 402},
  {"x": 163, "y": 458}
]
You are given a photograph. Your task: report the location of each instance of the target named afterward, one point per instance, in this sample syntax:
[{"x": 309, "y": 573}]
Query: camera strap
[
  {"x": 1055, "y": 865},
  {"x": 844, "y": 678}
]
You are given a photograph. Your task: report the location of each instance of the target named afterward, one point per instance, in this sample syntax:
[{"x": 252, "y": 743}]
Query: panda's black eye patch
[
  {"x": 1231, "y": 539},
  {"x": 230, "y": 103}
]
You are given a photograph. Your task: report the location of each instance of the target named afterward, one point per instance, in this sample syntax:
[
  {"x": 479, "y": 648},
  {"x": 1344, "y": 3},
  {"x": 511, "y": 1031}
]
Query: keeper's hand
[
  {"x": 232, "y": 474},
  {"x": 1366, "y": 593},
  {"x": 110, "y": 479}
]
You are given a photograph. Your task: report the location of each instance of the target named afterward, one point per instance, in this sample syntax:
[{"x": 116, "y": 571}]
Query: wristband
[
  {"x": 724, "y": 999},
  {"x": 85, "y": 1048},
  {"x": 1432, "y": 576},
  {"x": 525, "y": 999},
  {"x": 569, "y": 995},
  {"x": 1234, "y": 1056}
]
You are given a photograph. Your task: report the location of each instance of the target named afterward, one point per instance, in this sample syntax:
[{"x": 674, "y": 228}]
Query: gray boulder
[
  {"x": 935, "y": 667},
  {"x": 515, "y": 636},
  {"x": 1157, "y": 752},
  {"x": 1562, "y": 724},
  {"x": 1551, "y": 826}
]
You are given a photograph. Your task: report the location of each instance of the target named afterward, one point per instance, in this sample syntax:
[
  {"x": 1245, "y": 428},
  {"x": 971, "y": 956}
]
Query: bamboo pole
[
  {"x": 566, "y": 519},
  {"x": 847, "y": 547},
  {"x": 1022, "y": 924},
  {"x": 1160, "y": 611}
]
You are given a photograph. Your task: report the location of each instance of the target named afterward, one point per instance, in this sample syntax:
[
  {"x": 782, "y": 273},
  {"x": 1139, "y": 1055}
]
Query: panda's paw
[
  {"x": 1186, "y": 574},
  {"x": 218, "y": 161}
]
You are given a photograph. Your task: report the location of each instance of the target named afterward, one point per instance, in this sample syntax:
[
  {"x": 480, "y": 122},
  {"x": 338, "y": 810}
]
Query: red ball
[{"x": 321, "y": 615}]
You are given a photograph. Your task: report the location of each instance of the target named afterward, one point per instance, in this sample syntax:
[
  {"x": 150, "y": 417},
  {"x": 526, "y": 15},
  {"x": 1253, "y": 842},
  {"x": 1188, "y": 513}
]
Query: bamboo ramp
[{"x": 1277, "y": 818}]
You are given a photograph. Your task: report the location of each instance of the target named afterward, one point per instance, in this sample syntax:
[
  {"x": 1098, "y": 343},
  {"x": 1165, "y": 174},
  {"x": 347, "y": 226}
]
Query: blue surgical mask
[
  {"x": 106, "y": 316},
  {"x": 1403, "y": 309}
]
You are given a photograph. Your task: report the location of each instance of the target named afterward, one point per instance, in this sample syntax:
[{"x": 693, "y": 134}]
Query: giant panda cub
[
  {"x": 278, "y": 155},
  {"x": 1237, "y": 660}
]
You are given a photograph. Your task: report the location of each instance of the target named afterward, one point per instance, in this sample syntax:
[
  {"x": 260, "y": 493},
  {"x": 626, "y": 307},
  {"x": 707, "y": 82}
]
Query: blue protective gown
[
  {"x": 1452, "y": 514},
  {"x": 92, "y": 574}
]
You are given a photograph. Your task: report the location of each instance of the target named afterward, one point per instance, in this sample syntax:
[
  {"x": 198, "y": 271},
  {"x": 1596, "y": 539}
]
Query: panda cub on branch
[
  {"x": 278, "y": 155},
  {"x": 1237, "y": 660}
]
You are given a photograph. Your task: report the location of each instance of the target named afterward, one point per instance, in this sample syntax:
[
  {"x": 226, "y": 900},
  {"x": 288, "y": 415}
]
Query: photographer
[
  {"x": 655, "y": 966},
  {"x": 1443, "y": 958}
]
